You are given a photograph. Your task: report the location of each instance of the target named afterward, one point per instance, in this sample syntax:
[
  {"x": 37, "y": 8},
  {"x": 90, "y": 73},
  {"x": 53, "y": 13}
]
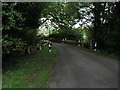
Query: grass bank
[
  {"x": 98, "y": 52},
  {"x": 102, "y": 53},
  {"x": 33, "y": 71}
]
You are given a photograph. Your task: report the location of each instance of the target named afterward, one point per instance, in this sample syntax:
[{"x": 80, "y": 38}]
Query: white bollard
[
  {"x": 95, "y": 46},
  {"x": 78, "y": 43},
  {"x": 49, "y": 50},
  {"x": 50, "y": 46},
  {"x": 94, "y": 49}
]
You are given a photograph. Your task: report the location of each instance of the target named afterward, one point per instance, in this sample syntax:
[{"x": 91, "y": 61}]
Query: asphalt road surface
[{"x": 77, "y": 68}]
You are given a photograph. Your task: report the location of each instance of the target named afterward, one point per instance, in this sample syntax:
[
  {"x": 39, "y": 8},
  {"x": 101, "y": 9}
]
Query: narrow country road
[{"x": 76, "y": 68}]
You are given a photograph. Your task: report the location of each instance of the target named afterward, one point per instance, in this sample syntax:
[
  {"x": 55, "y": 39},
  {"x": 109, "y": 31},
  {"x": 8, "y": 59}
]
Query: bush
[{"x": 11, "y": 45}]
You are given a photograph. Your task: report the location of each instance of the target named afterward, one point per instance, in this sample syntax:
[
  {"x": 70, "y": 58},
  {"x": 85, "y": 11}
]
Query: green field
[{"x": 33, "y": 71}]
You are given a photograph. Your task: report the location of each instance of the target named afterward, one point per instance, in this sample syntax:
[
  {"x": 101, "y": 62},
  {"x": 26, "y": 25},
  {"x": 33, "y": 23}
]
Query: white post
[
  {"x": 28, "y": 49},
  {"x": 95, "y": 46},
  {"x": 91, "y": 44},
  {"x": 49, "y": 47},
  {"x": 65, "y": 39},
  {"x": 78, "y": 43},
  {"x": 40, "y": 47}
]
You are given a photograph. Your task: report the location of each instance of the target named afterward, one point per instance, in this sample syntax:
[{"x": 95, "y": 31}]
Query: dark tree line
[{"x": 106, "y": 29}]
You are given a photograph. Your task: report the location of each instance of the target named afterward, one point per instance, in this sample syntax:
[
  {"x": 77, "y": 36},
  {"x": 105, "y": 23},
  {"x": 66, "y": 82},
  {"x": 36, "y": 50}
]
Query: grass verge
[
  {"x": 33, "y": 71},
  {"x": 98, "y": 52},
  {"x": 102, "y": 53}
]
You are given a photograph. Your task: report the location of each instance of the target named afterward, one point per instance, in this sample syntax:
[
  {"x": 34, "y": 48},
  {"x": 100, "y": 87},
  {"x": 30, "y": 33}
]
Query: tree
[
  {"x": 106, "y": 21},
  {"x": 12, "y": 22},
  {"x": 20, "y": 23}
]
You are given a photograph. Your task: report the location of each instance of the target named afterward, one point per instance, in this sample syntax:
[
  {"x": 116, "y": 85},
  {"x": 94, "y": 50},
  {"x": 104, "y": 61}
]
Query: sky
[{"x": 84, "y": 22}]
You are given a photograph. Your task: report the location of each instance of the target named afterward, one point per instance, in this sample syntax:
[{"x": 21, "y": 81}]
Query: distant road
[{"x": 81, "y": 69}]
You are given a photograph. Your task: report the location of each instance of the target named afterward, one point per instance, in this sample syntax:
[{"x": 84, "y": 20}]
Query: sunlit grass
[{"x": 32, "y": 72}]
